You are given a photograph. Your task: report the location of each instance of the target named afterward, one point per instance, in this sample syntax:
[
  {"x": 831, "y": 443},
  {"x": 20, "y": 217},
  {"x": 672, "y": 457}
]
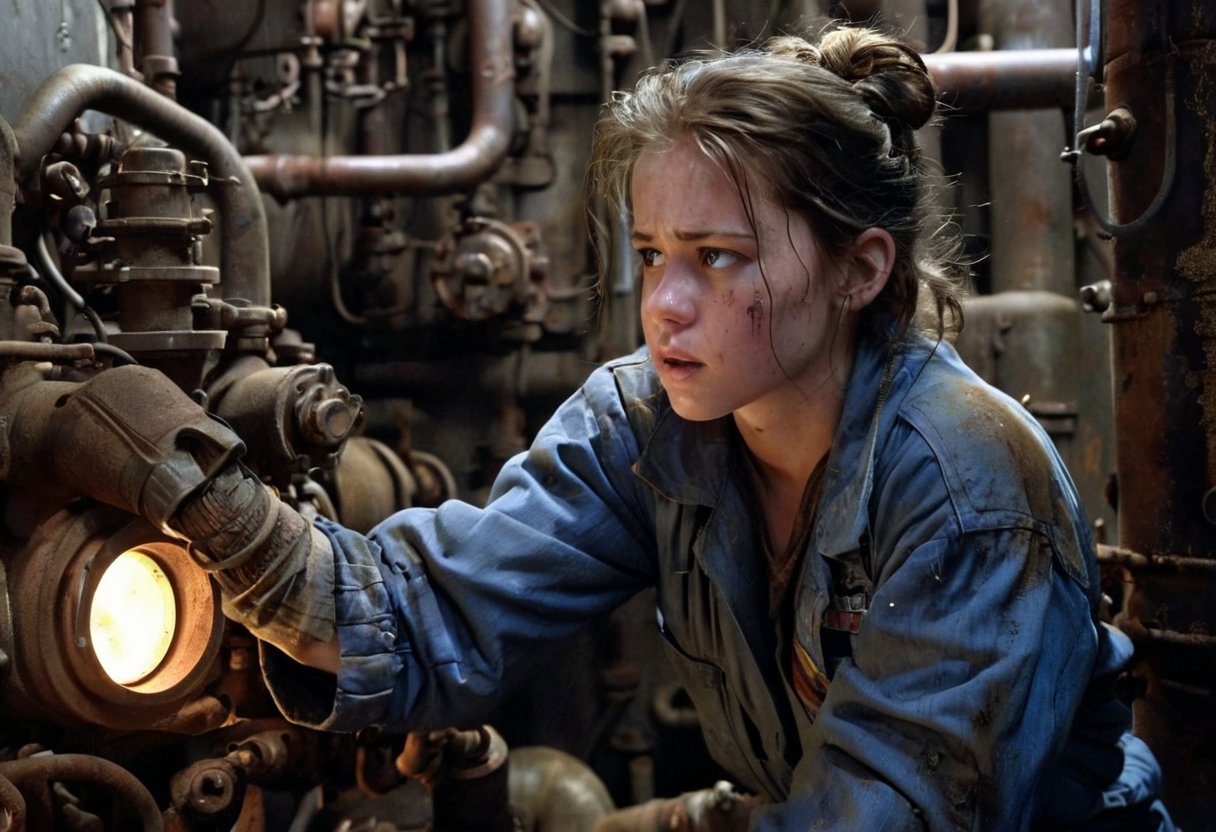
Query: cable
[
  {"x": 950, "y": 40},
  {"x": 117, "y": 356},
  {"x": 51, "y": 274},
  {"x": 1073, "y": 156}
]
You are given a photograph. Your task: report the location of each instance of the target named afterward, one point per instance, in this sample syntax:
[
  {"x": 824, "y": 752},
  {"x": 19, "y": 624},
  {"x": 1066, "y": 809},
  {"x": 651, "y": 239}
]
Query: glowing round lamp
[{"x": 133, "y": 617}]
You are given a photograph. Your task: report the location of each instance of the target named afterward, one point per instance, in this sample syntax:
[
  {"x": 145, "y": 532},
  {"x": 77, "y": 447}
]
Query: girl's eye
[
  {"x": 650, "y": 257},
  {"x": 716, "y": 258}
]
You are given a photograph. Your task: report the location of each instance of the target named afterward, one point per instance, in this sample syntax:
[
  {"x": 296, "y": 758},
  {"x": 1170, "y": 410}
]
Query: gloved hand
[
  {"x": 131, "y": 438},
  {"x": 275, "y": 569}
]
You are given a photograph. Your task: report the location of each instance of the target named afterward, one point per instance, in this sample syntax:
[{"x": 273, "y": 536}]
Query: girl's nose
[{"x": 671, "y": 301}]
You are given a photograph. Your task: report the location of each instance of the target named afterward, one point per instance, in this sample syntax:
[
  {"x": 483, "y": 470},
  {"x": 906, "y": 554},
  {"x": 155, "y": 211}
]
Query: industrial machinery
[{"x": 352, "y": 231}]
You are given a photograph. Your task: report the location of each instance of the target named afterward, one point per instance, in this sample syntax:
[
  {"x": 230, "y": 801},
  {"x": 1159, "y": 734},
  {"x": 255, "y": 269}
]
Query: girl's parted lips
[{"x": 677, "y": 358}]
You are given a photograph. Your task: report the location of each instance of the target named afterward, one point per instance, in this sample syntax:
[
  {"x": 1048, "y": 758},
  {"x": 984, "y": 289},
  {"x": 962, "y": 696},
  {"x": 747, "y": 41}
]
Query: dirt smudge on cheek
[{"x": 755, "y": 313}]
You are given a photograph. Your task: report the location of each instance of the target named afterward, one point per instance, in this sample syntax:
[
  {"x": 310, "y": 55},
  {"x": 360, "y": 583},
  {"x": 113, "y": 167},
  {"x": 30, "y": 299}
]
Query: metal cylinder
[
  {"x": 1164, "y": 329},
  {"x": 58, "y": 669}
]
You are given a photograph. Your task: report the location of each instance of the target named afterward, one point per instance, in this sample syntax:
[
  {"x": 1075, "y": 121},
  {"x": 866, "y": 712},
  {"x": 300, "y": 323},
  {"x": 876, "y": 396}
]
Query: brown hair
[{"x": 827, "y": 126}]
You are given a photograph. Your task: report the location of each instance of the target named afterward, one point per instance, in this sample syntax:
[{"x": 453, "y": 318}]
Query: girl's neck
[
  {"x": 788, "y": 435},
  {"x": 782, "y": 463}
]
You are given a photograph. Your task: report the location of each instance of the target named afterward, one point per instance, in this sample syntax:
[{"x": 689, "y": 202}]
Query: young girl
[{"x": 873, "y": 574}]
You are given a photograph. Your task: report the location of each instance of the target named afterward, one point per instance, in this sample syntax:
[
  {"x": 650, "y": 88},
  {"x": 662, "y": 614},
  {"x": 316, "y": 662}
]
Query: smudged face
[{"x": 723, "y": 338}]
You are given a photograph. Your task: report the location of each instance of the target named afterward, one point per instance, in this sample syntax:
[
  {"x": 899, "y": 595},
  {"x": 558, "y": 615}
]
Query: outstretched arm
[{"x": 436, "y": 613}]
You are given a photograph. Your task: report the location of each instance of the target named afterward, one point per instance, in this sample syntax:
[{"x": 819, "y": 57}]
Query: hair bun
[{"x": 888, "y": 74}]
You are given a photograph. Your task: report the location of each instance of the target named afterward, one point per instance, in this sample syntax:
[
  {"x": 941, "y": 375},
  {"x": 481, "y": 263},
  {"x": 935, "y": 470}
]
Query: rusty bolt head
[
  {"x": 329, "y": 421},
  {"x": 475, "y": 266}
]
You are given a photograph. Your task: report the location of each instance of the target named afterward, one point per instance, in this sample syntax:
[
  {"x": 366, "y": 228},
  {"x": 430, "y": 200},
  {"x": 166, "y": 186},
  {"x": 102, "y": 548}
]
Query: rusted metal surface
[
  {"x": 466, "y": 773},
  {"x": 1005, "y": 80},
  {"x": 56, "y": 674},
  {"x": 461, "y": 168},
  {"x": 153, "y": 31},
  {"x": 209, "y": 792},
  {"x": 1164, "y": 329},
  {"x": 12, "y": 807},
  {"x": 8, "y": 187},
  {"x": 1032, "y": 227},
  {"x": 968, "y": 80},
  {"x": 294, "y": 418},
  {"x": 38, "y": 773},
  {"x": 149, "y": 245}
]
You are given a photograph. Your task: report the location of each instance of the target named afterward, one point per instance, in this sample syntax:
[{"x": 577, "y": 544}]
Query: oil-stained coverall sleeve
[
  {"x": 441, "y": 612},
  {"x": 965, "y": 674}
]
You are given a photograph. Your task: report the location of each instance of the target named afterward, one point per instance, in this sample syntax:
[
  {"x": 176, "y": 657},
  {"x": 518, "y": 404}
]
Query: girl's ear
[{"x": 868, "y": 263}]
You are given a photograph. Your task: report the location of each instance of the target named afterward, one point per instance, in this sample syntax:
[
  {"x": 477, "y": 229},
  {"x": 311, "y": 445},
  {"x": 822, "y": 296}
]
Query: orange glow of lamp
[
  {"x": 134, "y": 617},
  {"x": 114, "y": 624}
]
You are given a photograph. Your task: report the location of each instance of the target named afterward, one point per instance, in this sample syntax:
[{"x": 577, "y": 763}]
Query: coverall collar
[{"x": 690, "y": 462}]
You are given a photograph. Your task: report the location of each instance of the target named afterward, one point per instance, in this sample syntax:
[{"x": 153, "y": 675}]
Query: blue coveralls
[{"x": 974, "y": 693}]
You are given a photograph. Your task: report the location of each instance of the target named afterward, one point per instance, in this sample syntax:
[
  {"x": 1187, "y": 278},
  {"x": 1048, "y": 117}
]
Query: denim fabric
[{"x": 976, "y": 693}]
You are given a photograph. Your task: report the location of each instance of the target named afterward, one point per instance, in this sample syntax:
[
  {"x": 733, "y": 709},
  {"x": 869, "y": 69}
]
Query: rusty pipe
[
  {"x": 154, "y": 33},
  {"x": 461, "y": 168},
  {"x": 33, "y": 771},
  {"x": 64, "y": 95},
  {"x": 1008, "y": 79}
]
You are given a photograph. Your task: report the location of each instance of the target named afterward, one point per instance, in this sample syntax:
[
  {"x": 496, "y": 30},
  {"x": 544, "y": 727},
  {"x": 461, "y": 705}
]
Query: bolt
[
  {"x": 475, "y": 266},
  {"x": 1096, "y": 296},
  {"x": 329, "y": 421}
]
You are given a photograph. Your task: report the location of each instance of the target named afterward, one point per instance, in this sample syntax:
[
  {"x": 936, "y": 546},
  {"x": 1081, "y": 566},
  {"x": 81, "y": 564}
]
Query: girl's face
[{"x": 725, "y": 340}]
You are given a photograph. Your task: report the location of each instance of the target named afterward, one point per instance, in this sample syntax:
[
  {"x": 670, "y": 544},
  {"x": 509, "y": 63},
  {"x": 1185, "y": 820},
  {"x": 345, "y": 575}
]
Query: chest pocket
[
  {"x": 832, "y": 599},
  {"x": 731, "y": 736}
]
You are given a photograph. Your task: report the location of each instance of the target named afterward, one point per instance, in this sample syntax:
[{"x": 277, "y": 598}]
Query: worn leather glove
[
  {"x": 128, "y": 437},
  {"x": 274, "y": 568}
]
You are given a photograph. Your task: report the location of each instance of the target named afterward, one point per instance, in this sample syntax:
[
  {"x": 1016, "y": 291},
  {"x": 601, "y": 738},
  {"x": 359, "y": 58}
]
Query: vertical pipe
[
  {"x": 1032, "y": 237},
  {"x": 154, "y": 39},
  {"x": 1033, "y": 262},
  {"x": 1164, "y": 331}
]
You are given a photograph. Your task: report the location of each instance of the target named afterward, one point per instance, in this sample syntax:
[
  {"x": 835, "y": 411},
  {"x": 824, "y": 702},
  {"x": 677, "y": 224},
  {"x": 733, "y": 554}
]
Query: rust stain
[{"x": 1198, "y": 262}]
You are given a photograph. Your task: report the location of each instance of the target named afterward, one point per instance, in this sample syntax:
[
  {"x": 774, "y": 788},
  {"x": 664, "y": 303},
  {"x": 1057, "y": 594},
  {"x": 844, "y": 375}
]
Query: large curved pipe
[
  {"x": 1006, "y": 79},
  {"x": 35, "y": 772},
  {"x": 461, "y": 168},
  {"x": 64, "y": 95}
]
